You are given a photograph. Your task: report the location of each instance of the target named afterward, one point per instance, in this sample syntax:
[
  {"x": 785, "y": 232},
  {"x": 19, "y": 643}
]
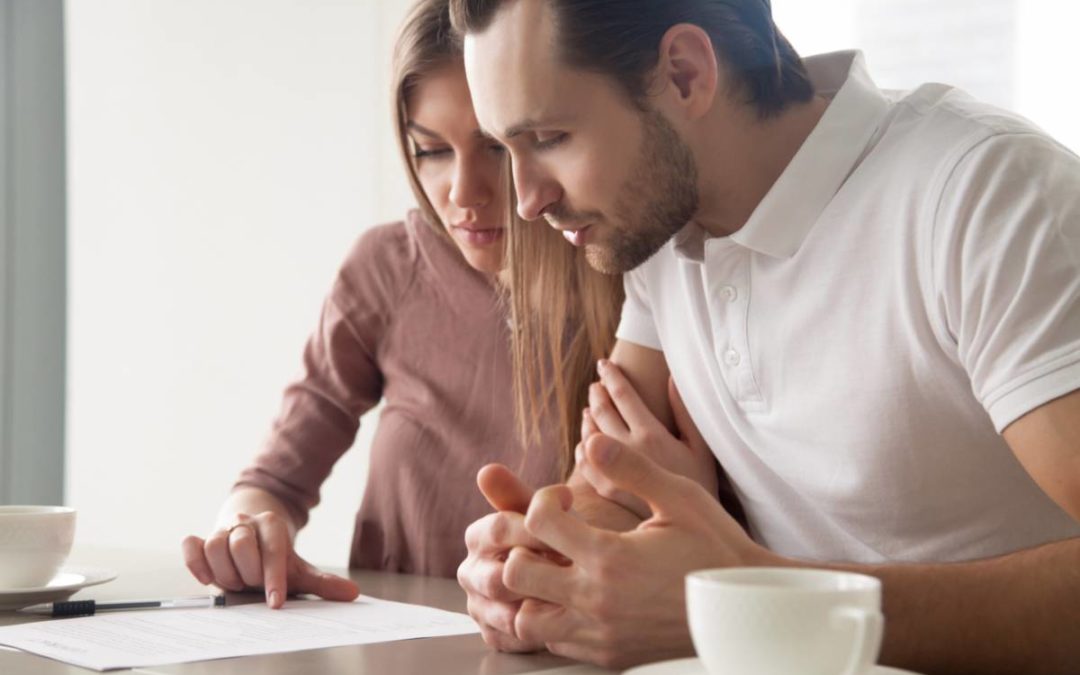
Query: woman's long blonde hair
[
  {"x": 425, "y": 43},
  {"x": 564, "y": 315}
]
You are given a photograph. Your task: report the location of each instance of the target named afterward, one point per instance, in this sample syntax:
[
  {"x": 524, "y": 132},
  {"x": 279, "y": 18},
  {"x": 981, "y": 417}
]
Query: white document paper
[{"x": 161, "y": 637}]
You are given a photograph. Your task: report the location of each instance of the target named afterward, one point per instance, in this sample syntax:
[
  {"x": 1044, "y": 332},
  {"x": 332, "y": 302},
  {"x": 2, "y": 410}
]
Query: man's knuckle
[
  {"x": 491, "y": 585},
  {"x": 533, "y": 519},
  {"x": 511, "y": 573},
  {"x": 525, "y": 626},
  {"x": 474, "y": 533},
  {"x": 503, "y": 616},
  {"x": 472, "y": 608},
  {"x": 649, "y": 439},
  {"x": 500, "y": 528},
  {"x": 463, "y": 573},
  {"x": 491, "y": 637}
]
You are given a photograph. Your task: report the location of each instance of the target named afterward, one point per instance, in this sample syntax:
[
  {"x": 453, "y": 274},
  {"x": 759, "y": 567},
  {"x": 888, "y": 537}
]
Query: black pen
[{"x": 91, "y": 607}]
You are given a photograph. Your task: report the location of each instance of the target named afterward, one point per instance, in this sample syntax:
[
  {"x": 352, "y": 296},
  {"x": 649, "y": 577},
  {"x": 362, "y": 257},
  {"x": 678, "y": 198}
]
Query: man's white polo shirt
[{"x": 908, "y": 288}]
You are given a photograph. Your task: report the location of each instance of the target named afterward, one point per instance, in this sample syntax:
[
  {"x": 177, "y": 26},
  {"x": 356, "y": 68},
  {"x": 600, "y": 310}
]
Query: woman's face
[{"x": 459, "y": 168}]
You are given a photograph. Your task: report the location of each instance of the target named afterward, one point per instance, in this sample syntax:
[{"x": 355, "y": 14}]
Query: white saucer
[
  {"x": 66, "y": 582},
  {"x": 693, "y": 666}
]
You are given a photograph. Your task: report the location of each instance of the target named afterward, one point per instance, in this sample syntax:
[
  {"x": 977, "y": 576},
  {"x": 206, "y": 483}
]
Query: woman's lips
[{"x": 477, "y": 237}]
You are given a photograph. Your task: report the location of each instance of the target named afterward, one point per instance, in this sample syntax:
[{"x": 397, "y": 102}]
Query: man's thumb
[{"x": 503, "y": 489}]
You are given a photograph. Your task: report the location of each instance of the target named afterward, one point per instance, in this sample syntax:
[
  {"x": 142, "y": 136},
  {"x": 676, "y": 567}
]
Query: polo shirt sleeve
[
  {"x": 1007, "y": 271},
  {"x": 636, "y": 324}
]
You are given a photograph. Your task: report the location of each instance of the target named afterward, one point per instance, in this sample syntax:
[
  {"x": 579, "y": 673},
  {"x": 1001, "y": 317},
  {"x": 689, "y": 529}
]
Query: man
[{"x": 869, "y": 302}]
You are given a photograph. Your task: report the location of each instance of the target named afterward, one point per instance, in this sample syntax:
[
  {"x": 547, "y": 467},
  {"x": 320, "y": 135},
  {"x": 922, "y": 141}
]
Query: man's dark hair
[{"x": 621, "y": 38}]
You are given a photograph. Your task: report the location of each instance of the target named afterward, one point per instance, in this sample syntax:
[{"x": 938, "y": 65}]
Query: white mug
[
  {"x": 784, "y": 621},
  {"x": 34, "y": 543}
]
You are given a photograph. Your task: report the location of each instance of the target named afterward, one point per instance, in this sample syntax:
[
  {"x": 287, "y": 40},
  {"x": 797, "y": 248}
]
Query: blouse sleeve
[{"x": 341, "y": 378}]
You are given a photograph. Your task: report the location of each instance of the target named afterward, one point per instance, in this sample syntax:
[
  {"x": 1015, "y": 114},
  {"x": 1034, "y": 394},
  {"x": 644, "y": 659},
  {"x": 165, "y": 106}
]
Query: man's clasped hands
[{"x": 593, "y": 569}]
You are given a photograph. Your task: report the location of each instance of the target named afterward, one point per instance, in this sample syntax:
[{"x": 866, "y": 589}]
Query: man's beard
[{"x": 657, "y": 200}]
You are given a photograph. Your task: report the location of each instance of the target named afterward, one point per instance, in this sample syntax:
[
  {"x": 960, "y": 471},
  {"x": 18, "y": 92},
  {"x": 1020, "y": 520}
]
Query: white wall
[
  {"x": 1013, "y": 53},
  {"x": 1046, "y": 67},
  {"x": 223, "y": 156}
]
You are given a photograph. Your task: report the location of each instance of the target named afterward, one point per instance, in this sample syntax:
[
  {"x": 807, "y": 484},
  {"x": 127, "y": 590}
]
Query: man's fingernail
[
  {"x": 579, "y": 454},
  {"x": 273, "y": 598},
  {"x": 601, "y": 365}
]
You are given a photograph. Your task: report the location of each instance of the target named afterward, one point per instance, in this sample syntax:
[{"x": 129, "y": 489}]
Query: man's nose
[{"x": 535, "y": 192}]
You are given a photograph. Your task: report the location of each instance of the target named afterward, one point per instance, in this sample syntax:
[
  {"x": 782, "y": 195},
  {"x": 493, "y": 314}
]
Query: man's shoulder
[{"x": 940, "y": 122}]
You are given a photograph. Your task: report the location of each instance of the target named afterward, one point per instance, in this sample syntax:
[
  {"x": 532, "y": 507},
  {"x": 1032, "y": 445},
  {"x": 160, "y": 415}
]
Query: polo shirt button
[
  {"x": 729, "y": 293},
  {"x": 732, "y": 358}
]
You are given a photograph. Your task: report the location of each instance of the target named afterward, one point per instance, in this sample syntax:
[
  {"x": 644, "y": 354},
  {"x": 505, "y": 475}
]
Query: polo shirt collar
[{"x": 785, "y": 216}]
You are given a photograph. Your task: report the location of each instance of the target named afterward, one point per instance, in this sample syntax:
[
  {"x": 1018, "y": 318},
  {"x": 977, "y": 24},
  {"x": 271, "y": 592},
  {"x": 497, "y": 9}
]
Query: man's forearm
[{"x": 1018, "y": 613}]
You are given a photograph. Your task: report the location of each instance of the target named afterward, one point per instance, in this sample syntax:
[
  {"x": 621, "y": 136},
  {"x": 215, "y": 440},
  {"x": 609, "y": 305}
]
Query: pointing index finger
[{"x": 275, "y": 545}]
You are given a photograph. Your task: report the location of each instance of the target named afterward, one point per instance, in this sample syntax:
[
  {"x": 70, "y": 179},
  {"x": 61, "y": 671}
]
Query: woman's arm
[{"x": 252, "y": 545}]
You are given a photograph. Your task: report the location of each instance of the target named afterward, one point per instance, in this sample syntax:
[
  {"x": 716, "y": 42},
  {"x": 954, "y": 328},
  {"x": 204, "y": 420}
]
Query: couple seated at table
[{"x": 859, "y": 308}]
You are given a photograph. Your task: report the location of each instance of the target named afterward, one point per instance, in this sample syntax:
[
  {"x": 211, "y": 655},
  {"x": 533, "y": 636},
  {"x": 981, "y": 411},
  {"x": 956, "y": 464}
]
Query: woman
[{"x": 416, "y": 319}]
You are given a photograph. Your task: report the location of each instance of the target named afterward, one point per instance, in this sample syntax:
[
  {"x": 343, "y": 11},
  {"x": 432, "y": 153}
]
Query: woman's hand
[
  {"x": 616, "y": 410},
  {"x": 257, "y": 552}
]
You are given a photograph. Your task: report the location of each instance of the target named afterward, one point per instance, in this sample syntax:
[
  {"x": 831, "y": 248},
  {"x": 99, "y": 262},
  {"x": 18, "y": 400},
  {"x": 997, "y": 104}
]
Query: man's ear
[{"x": 687, "y": 71}]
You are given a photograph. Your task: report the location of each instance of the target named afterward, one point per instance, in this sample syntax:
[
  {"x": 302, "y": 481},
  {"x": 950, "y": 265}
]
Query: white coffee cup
[
  {"x": 784, "y": 621},
  {"x": 34, "y": 543}
]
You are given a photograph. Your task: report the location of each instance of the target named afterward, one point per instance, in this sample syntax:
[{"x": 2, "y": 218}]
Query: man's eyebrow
[
  {"x": 422, "y": 129},
  {"x": 520, "y": 128}
]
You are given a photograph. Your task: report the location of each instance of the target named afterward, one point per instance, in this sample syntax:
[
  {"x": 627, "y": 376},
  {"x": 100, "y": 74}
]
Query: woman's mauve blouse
[{"x": 410, "y": 323}]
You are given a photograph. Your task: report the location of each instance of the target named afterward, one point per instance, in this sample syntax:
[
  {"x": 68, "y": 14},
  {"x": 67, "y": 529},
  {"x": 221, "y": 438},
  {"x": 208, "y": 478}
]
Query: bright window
[{"x": 1012, "y": 53}]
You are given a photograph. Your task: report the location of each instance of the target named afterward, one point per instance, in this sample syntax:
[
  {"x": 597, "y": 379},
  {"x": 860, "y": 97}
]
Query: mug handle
[{"x": 869, "y": 627}]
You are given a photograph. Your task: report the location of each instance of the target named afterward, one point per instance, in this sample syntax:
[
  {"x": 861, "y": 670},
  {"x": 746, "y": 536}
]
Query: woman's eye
[
  {"x": 546, "y": 141},
  {"x": 432, "y": 153}
]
